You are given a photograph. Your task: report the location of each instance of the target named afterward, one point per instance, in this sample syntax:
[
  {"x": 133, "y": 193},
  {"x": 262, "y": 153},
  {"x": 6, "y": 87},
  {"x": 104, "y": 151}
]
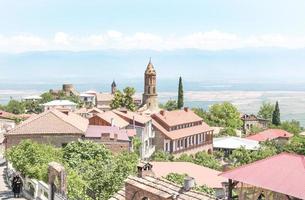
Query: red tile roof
[
  {"x": 7, "y": 115},
  {"x": 108, "y": 116},
  {"x": 283, "y": 173},
  {"x": 95, "y": 131},
  {"x": 142, "y": 119},
  {"x": 270, "y": 134},
  {"x": 202, "y": 175},
  {"x": 176, "y": 117},
  {"x": 184, "y": 132}
]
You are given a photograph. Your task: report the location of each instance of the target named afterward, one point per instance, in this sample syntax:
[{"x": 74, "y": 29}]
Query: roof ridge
[
  {"x": 64, "y": 118},
  {"x": 31, "y": 119}
]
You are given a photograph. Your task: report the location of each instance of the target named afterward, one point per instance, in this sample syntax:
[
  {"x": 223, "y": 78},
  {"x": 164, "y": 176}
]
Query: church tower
[
  {"x": 150, "y": 88},
  {"x": 113, "y": 87}
]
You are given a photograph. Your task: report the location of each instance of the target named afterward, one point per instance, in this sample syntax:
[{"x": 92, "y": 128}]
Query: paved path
[{"x": 5, "y": 191}]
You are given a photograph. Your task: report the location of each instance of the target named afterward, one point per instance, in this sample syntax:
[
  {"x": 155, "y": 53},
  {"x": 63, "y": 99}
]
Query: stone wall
[{"x": 56, "y": 140}]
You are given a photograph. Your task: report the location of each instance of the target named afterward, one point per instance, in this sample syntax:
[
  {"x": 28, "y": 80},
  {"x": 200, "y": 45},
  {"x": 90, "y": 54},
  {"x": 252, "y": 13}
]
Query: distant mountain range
[{"x": 221, "y": 67}]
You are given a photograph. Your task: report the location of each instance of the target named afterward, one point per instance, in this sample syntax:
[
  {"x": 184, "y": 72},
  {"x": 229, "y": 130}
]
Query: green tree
[
  {"x": 296, "y": 145},
  {"x": 292, "y": 126},
  {"x": 180, "y": 94},
  {"x": 169, "y": 105},
  {"x": 33, "y": 107},
  {"x": 207, "y": 160},
  {"x": 32, "y": 159},
  {"x": 276, "y": 116},
  {"x": 224, "y": 115},
  {"x": 162, "y": 156},
  {"x": 79, "y": 151},
  {"x": 136, "y": 144},
  {"x": 228, "y": 131},
  {"x": 124, "y": 99},
  {"x": 15, "y": 107},
  {"x": 255, "y": 129},
  {"x": 266, "y": 111},
  {"x": 204, "y": 115},
  {"x": 46, "y": 97}
]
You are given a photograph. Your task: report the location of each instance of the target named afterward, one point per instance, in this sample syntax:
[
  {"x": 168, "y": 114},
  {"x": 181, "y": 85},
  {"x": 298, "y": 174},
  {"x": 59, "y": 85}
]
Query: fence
[{"x": 32, "y": 188}]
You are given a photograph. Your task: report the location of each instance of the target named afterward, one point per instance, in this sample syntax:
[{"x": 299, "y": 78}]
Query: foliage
[
  {"x": 169, "y": 105},
  {"x": 33, "y": 107},
  {"x": 255, "y": 129},
  {"x": 32, "y": 159},
  {"x": 223, "y": 115},
  {"x": 296, "y": 145},
  {"x": 266, "y": 111},
  {"x": 136, "y": 144},
  {"x": 228, "y": 131},
  {"x": 203, "y": 114},
  {"x": 93, "y": 172},
  {"x": 15, "y": 107},
  {"x": 180, "y": 94},
  {"x": 162, "y": 156},
  {"x": 185, "y": 158},
  {"x": 292, "y": 126},
  {"x": 276, "y": 116},
  {"x": 77, "y": 152},
  {"x": 124, "y": 99},
  {"x": 218, "y": 154},
  {"x": 205, "y": 189},
  {"x": 207, "y": 160},
  {"x": 176, "y": 178},
  {"x": 242, "y": 156},
  {"x": 47, "y": 97}
]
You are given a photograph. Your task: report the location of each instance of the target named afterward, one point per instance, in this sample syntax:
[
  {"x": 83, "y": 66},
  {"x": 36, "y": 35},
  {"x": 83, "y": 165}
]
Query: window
[{"x": 166, "y": 147}]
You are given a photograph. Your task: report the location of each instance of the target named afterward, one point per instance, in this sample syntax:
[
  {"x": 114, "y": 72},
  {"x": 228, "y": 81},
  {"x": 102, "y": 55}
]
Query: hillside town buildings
[
  {"x": 278, "y": 135},
  {"x": 60, "y": 105},
  {"x": 251, "y": 121},
  {"x": 182, "y": 131}
]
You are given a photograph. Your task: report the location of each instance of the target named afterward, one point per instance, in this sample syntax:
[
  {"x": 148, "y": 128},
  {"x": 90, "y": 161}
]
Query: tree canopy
[
  {"x": 266, "y": 111},
  {"x": 93, "y": 171},
  {"x": 124, "y": 99},
  {"x": 276, "y": 116},
  {"x": 169, "y": 105},
  {"x": 221, "y": 114}
]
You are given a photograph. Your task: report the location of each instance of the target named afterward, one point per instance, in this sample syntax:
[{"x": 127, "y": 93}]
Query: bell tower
[
  {"x": 113, "y": 87},
  {"x": 150, "y": 88}
]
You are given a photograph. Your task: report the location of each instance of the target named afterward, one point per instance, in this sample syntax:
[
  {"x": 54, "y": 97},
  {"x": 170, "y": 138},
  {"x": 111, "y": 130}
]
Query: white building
[
  {"x": 143, "y": 126},
  {"x": 228, "y": 144},
  {"x": 88, "y": 99},
  {"x": 61, "y": 105}
]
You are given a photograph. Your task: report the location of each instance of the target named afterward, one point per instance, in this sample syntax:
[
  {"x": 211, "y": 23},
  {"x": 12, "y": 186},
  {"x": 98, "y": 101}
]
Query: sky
[
  {"x": 74, "y": 25},
  {"x": 223, "y": 40}
]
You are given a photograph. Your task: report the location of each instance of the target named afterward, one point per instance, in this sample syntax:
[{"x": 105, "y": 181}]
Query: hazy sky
[{"x": 158, "y": 25}]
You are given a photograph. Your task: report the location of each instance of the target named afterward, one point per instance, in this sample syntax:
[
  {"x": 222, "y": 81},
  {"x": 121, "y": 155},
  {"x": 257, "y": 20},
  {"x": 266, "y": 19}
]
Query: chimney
[
  {"x": 112, "y": 121},
  {"x": 115, "y": 137},
  {"x": 105, "y": 137},
  {"x": 162, "y": 112},
  {"x": 186, "y": 109},
  {"x": 133, "y": 122},
  {"x": 189, "y": 183},
  {"x": 144, "y": 169}
]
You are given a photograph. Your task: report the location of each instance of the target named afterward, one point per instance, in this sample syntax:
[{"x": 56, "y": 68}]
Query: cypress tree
[
  {"x": 276, "y": 116},
  {"x": 180, "y": 94}
]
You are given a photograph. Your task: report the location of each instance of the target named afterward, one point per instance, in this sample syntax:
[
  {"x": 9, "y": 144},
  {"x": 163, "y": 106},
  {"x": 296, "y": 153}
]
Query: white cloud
[{"x": 212, "y": 40}]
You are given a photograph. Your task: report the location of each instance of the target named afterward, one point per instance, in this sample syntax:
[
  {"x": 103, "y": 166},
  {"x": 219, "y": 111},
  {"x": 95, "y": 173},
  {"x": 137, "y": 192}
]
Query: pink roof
[
  {"x": 117, "y": 120},
  {"x": 7, "y": 115},
  {"x": 142, "y": 119},
  {"x": 176, "y": 117},
  {"x": 184, "y": 132},
  {"x": 202, "y": 175},
  {"x": 283, "y": 173},
  {"x": 270, "y": 134},
  {"x": 95, "y": 131}
]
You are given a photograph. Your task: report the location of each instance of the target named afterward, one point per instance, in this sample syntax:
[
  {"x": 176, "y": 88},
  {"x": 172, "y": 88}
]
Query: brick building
[
  {"x": 250, "y": 121},
  {"x": 50, "y": 127},
  {"x": 147, "y": 187},
  {"x": 113, "y": 138},
  {"x": 108, "y": 118},
  {"x": 182, "y": 131}
]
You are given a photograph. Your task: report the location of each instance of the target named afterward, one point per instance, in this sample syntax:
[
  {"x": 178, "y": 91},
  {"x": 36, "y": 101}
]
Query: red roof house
[
  {"x": 282, "y": 174},
  {"x": 270, "y": 134}
]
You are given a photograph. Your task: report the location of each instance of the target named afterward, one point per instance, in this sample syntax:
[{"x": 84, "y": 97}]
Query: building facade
[
  {"x": 182, "y": 131},
  {"x": 250, "y": 121}
]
